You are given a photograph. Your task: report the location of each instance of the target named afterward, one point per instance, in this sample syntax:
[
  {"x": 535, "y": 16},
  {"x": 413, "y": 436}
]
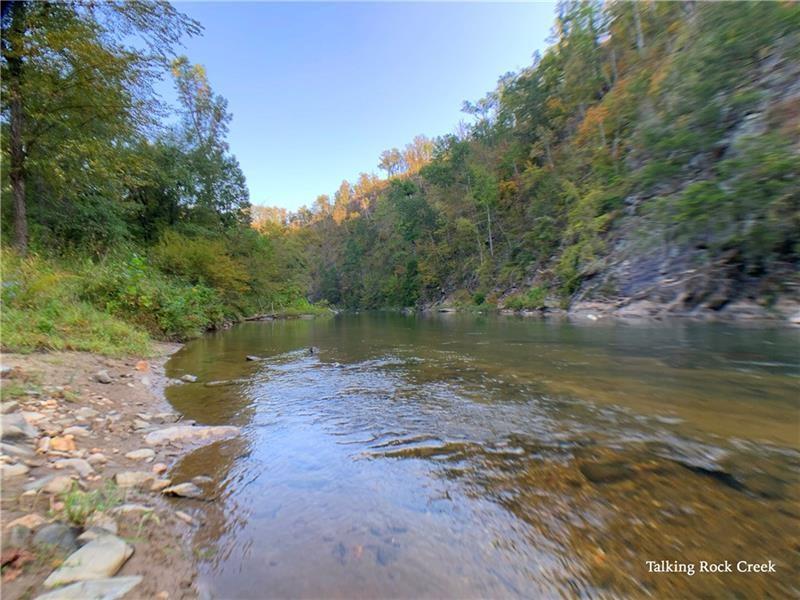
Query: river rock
[
  {"x": 15, "y": 470},
  {"x": 202, "y": 480},
  {"x": 189, "y": 378},
  {"x": 86, "y": 412},
  {"x": 31, "y": 521},
  {"x": 185, "y": 517},
  {"x": 129, "y": 479},
  {"x": 111, "y": 588},
  {"x": 102, "y": 377},
  {"x": 58, "y": 485},
  {"x": 18, "y": 537},
  {"x": 96, "y": 458},
  {"x": 131, "y": 509},
  {"x": 99, "y": 558},
  {"x": 141, "y": 454},
  {"x": 76, "y": 430},
  {"x": 253, "y": 358},
  {"x": 16, "y": 450},
  {"x": 159, "y": 468},
  {"x": 7, "y": 407},
  {"x": 188, "y": 433},
  {"x": 61, "y": 443},
  {"x": 605, "y": 472},
  {"x": 56, "y": 535},
  {"x": 185, "y": 490},
  {"x": 160, "y": 484},
  {"x": 13, "y": 426},
  {"x": 82, "y": 467}
]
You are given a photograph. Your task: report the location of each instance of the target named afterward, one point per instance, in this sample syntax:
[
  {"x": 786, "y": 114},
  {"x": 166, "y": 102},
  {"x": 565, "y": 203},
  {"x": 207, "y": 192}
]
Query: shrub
[{"x": 533, "y": 299}]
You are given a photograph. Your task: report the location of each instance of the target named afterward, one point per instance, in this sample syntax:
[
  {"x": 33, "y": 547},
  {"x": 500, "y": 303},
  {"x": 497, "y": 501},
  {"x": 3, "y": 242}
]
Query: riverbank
[{"x": 88, "y": 443}]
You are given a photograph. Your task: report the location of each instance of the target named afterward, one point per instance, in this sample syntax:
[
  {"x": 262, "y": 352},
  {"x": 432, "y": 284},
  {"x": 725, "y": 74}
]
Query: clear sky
[{"x": 319, "y": 90}]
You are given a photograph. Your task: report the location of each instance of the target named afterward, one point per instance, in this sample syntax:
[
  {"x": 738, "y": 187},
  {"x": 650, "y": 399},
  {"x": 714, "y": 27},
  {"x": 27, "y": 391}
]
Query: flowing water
[{"x": 455, "y": 456}]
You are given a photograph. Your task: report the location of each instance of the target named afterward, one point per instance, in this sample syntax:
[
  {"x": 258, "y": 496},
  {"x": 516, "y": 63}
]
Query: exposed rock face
[
  {"x": 188, "y": 433},
  {"x": 98, "y": 559}
]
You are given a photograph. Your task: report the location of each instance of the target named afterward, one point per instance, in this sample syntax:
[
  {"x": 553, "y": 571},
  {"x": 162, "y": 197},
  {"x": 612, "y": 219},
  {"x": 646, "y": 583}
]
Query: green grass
[
  {"x": 533, "y": 299},
  {"x": 80, "y": 505}
]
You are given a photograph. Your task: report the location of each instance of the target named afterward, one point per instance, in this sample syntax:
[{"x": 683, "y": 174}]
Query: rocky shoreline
[{"x": 88, "y": 506}]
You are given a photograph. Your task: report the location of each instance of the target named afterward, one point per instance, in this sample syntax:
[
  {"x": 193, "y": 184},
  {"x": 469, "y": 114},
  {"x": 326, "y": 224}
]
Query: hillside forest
[{"x": 646, "y": 164}]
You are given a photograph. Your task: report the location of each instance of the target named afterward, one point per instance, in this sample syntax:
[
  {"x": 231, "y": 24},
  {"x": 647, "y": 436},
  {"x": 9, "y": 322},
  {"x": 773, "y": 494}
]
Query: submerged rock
[
  {"x": 188, "y": 433},
  {"x": 189, "y": 378},
  {"x": 605, "y": 472},
  {"x": 100, "y": 558},
  {"x": 96, "y": 589},
  {"x": 253, "y": 358},
  {"x": 185, "y": 490}
]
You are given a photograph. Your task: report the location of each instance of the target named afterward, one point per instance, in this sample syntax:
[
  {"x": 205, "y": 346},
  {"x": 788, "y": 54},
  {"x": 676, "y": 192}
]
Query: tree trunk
[
  {"x": 16, "y": 172},
  {"x": 638, "y": 24},
  {"x": 489, "y": 225}
]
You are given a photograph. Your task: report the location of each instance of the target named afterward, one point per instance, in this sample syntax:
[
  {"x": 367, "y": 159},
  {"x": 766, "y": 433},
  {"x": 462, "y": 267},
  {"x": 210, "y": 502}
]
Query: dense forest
[{"x": 648, "y": 160}]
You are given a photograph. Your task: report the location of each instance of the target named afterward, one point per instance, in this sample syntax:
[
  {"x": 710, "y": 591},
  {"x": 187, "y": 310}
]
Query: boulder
[{"x": 98, "y": 559}]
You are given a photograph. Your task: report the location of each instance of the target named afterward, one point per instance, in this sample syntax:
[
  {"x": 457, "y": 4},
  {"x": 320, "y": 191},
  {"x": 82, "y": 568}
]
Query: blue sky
[{"x": 318, "y": 90}]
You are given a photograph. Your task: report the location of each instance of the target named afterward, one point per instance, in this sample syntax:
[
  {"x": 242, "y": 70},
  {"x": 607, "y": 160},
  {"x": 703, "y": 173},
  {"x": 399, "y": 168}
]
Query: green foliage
[
  {"x": 79, "y": 506},
  {"x": 43, "y": 310},
  {"x": 533, "y": 299}
]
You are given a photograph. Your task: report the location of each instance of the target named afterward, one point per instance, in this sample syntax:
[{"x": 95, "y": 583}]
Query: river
[{"x": 460, "y": 456}]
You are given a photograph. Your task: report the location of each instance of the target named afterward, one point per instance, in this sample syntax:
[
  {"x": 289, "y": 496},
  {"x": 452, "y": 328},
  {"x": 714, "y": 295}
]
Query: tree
[{"x": 77, "y": 86}]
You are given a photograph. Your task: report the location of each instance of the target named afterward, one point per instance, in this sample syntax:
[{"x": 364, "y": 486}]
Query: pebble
[
  {"x": 96, "y": 458},
  {"x": 185, "y": 517},
  {"x": 102, "y": 377},
  {"x": 159, "y": 468},
  {"x": 189, "y": 378},
  {"x": 100, "y": 558},
  {"x": 64, "y": 443},
  {"x": 202, "y": 480},
  {"x": 86, "y": 412},
  {"x": 126, "y": 509}
]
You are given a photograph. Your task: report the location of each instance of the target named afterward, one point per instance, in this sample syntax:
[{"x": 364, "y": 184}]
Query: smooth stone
[
  {"x": 56, "y": 535},
  {"x": 96, "y": 458},
  {"x": 31, "y": 521},
  {"x": 252, "y": 358},
  {"x": 75, "y": 430},
  {"x": 142, "y": 454},
  {"x": 181, "y": 433},
  {"x": 100, "y": 558},
  {"x": 605, "y": 472},
  {"x": 16, "y": 450},
  {"x": 127, "y": 509},
  {"x": 202, "y": 480},
  {"x": 225, "y": 382},
  {"x": 128, "y": 479},
  {"x": 160, "y": 484},
  {"x": 185, "y": 517},
  {"x": 13, "y": 426},
  {"x": 102, "y": 377},
  {"x": 16, "y": 470},
  {"x": 159, "y": 468},
  {"x": 58, "y": 485},
  {"x": 185, "y": 490},
  {"x": 82, "y": 467},
  {"x": 111, "y": 588},
  {"x": 10, "y": 406},
  {"x": 86, "y": 412},
  {"x": 189, "y": 378}
]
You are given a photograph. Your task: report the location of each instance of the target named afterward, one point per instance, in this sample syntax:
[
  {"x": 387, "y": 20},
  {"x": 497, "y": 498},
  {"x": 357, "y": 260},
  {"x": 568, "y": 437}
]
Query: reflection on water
[{"x": 456, "y": 456}]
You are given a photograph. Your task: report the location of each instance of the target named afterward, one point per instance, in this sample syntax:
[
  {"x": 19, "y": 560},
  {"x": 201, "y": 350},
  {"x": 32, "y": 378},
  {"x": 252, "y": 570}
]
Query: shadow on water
[{"x": 492, "y": 457}]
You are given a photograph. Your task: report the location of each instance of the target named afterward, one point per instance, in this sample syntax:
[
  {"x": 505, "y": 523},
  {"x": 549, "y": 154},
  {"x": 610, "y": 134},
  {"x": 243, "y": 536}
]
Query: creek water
[{"x": 457, "y": 456}]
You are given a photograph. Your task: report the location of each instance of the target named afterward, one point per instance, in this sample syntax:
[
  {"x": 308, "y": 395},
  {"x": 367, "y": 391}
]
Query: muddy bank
[{"x": 88, "y": 443}]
